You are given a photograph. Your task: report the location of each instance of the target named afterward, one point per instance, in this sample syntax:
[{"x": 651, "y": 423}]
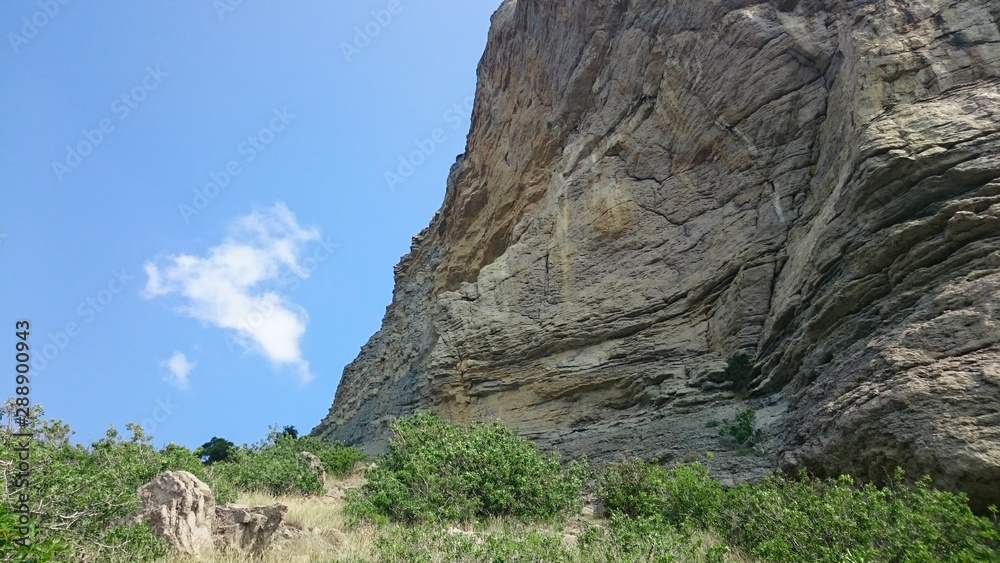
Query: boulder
[
  {"x": 180, "y": 509},
  {"x": 315, "y": 466},
  {"x": 246, "y": 529}
]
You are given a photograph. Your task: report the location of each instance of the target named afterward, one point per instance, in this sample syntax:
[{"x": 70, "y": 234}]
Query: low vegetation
[
  {"x": 447, "y": 493},
  {"x": 434, "y": 471},
  {"x": 79, "y": 496}
]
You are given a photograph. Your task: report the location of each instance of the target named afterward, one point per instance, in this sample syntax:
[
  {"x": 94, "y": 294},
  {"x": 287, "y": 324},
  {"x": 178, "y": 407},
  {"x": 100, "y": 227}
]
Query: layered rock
[{"x": 652, "y": 186}]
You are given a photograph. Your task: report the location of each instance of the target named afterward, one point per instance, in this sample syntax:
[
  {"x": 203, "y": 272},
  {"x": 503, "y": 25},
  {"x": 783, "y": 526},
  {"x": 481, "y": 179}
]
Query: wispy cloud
[
  {"x": 235, "y": 286},
  {"x": 180, "y": 368}
]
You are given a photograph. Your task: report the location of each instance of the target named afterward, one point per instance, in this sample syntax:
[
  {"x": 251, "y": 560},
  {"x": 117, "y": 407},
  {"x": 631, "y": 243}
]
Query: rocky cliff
[{"x": 653, "y": 186}]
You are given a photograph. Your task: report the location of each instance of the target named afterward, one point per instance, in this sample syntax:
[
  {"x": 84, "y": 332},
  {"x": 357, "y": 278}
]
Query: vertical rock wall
[{"x": 652, "y": 186}]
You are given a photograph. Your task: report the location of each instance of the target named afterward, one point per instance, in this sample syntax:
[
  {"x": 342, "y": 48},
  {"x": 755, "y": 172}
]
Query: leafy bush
[
  {"x": 797, "y": 520},
  {"x": 37, "y": 550},
  {"x": 639, "y": 489},
  {"x": 79, "y": 495},
  {"x": 274, "y": 465},
  {"x": 741, "y": 430},
  {"x": 436, "y": 471},
  {"x": 822, "y": 520}
]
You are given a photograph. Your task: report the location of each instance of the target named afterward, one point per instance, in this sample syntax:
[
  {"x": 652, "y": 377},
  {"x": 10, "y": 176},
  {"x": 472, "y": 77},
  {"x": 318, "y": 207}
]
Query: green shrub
[
  {"x": 37, "y": 550},
  {"x": 274, "y": 465},
  {"x": 638, "y": 489},
  {"x": 791, "y": 520},
  {"x": 79, "y": 495},
  {"x": 436, "y": 471},
  {"x": 741, "y": 430},
  {"x": 824, "y": 520}
]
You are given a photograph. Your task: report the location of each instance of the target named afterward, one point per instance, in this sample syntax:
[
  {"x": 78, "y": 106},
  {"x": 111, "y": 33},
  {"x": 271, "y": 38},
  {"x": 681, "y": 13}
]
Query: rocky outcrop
[
  {"x": 246, "y": 529},
  {"x": 315, "y": 466},
  {"x": 652, "y": 186},
  {"x": 179, "y": 508}
]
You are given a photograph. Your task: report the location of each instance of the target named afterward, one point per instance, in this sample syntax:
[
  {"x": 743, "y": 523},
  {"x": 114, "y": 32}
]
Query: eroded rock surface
[
  {"x": 246, "y": 529},
  {"x": 651, "y": 186},
  {"x": 179, "y": 508}
]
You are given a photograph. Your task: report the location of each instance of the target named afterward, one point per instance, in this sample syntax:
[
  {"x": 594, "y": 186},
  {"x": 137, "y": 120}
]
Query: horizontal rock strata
[{"x": 653, "y": 186}]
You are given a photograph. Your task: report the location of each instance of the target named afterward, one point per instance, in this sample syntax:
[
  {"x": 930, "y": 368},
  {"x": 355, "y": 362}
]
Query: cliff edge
[{"x": 651, "y": 187}]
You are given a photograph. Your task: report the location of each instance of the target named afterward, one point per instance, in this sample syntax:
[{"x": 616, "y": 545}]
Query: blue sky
[{"x": 196, "y": 216}]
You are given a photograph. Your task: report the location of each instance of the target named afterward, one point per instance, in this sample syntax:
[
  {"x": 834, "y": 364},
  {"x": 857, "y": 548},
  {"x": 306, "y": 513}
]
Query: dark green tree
[
  {"x": 216, "y": 449},
  {"x": 290, "y": 431}
]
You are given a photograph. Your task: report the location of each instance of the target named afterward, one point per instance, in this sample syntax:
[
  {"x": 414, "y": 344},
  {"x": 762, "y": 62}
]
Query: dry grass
[
  {"x": 316, "y": 528},
  {"x": 316, "y": 531}
]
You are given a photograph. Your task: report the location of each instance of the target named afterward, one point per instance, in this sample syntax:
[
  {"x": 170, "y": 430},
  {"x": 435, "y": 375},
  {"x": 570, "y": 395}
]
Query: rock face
[
  {"x": 180, "y": 509},
  {"x": 246, "y": 529},
  {"x": 652, "y": 186}
]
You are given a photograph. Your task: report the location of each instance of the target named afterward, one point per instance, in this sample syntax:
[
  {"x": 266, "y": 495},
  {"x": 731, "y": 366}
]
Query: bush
[
  {"x": 826, "y": 521},
  {"x": 37, "y": 550},
  {"x": 741, "y": 430},
  {"x": 79, "y": 495},
  {"x": 823, "y": 520},
  {"x": 638, "y": 489},
  {"x": 436, "y": 471},
  {"x": 274, "y": 465}
]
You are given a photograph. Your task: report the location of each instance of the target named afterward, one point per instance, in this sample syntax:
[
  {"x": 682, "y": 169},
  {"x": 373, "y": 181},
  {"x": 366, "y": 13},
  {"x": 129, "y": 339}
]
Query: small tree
[
  {"x": 216, "y": 449},
  {"x": 290, "y": 431}
]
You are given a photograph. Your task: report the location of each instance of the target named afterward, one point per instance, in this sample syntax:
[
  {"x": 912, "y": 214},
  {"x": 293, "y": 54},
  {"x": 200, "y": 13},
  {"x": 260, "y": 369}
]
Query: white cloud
[
  {"x": 234, "y": 286},
  {"x": 180, "y": 367}
]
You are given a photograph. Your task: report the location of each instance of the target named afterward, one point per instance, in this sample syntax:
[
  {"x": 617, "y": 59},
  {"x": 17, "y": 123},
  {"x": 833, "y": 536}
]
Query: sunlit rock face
[{"x": 652, "y": 186}]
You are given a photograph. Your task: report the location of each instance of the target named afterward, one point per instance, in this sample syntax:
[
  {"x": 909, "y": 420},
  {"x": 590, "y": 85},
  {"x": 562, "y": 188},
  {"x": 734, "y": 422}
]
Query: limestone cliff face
[{"x": 651, "y": 186}]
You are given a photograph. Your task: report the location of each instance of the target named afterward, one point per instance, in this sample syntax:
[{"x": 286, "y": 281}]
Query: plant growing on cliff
[
  {"x": 742, "y": 429},
  {"x": 434, "y": 470}
]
